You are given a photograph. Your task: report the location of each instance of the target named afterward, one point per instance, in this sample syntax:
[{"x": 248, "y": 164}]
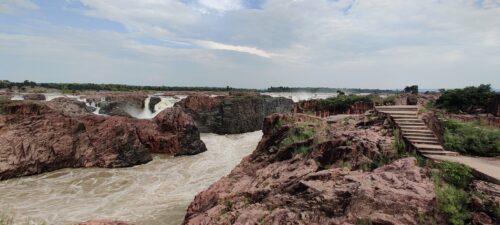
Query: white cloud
[
  {"x": 356, "y": 43},
  {"x": 14, "y": 6},
  {"x": 236, "y": 48},
  {"x": 221, "y": 5}
]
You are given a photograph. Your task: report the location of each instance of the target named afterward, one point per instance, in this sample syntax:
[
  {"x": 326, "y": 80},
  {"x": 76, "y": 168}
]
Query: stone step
[
  {"x": 423, "y": 131},
  {"x": 429, "y": 152},
  {"x": 428, "y": 147},
  {"x": 399, "y": 112},
  {"x": 412, "y": 127},
  {"x": 420, "y": 138},
  {"x": 405, "y": 107},
  {"x": 423, "y": 135},
  {"x": 429, "y": 142},
  {"x": 398, "y": 117},
  {"x": 399, "y": 120},
  {"x": 411, "y": 123}
]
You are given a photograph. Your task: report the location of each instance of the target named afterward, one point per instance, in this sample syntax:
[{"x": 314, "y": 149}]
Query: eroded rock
[{"x": 307, "y": 172}]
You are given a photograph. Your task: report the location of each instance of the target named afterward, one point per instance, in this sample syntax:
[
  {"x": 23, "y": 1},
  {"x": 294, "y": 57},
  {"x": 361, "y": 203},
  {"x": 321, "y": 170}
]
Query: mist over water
[{"x": 150, "y": 194}]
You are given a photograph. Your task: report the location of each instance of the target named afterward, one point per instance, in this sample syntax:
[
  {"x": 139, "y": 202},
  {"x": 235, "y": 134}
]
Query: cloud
[
  {"x": 337, "y": 43},
  {"x": 14, "y": 6},
  {"x": 221, "y": 5},
  {"x": 236, "y": 48}
]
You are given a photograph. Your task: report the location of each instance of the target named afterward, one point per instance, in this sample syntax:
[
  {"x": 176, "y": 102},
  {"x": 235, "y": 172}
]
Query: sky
[{"x": 253, "y": 43}]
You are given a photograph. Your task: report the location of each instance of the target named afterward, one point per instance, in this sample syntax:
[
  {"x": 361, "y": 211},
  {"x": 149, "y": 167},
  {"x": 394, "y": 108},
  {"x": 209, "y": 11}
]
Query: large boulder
[
  {"x": 36, "y": 137},
  {"x": 153, "y": 100},
  {"x": 38, "y": 97},
  {"x": 173, "y": 132},
  {"x": 306, "y": 172},
  {"x": 233, "y": 114}
]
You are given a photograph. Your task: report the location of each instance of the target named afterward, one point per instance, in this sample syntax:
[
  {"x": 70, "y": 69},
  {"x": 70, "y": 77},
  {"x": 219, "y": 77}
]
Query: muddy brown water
[{"x": 151, "y": 194}]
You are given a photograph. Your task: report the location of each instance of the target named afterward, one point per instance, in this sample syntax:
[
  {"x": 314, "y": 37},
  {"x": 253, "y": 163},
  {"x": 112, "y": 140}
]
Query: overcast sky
[{"x": 252, "y": 43}]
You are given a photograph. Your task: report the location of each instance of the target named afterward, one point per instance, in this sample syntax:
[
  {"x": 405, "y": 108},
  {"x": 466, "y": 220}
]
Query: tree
[
  {"x": 411, "y": 89},
  {"x": 470, "y": 99}
]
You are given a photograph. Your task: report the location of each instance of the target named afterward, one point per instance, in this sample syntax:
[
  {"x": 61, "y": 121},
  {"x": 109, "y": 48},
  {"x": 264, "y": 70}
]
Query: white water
[
  {"x": 145, "y": 113},
  {"x": 300, "y": 96},
  {"x": 156, "y": 193}
]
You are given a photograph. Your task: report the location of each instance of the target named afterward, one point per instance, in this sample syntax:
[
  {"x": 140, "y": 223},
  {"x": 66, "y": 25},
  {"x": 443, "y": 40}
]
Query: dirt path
[{"x": 487, "y": 166}]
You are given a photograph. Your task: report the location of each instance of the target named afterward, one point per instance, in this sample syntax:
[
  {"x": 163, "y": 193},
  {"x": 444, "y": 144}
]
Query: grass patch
[
  {"x": 399, "y": 144},
  {"x": 454, "y": 203},
  {"x": 456, "y": 174},
  {"x": 472, "y": 138}
]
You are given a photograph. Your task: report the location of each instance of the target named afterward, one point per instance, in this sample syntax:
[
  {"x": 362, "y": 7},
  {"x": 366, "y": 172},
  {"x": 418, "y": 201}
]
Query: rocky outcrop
[
  {"x": 153, "y": 100},
  {"x": 306, "y": 172},
  {"x": 38, "y": 97},
  {"x": 36, "y": 137},
  {"x": 173, "y": 132},
  {"x": 233, "y": 114},
  {"x": 118, "y": 104}
]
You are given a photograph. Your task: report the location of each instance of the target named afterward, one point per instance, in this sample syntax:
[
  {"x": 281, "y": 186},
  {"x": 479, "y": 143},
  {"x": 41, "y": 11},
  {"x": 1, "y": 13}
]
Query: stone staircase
[{"x": 414, "y": 129}]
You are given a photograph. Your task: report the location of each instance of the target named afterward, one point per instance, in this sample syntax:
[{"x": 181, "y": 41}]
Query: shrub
[
  {"x": 472, "y": 139},
  {"x": 456, "y": 174},
  {"x": 468, "y": 99},
  {"x": 390, "y": 100},
  {"x": 399, "y": 144},
  {"x": 454, "y": 203},
  {"x": 343, "y": 103},
  {"x": 295, "y": 135},
  {"x": 411, "y": 89}
]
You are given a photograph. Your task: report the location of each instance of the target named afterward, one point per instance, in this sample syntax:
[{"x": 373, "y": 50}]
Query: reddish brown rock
[
  {"x": 39, "y": 97},
  {"x": 36, "y": 137},
  {"x": 173, "y": 132},
  {"x": 317, "y": 180}
]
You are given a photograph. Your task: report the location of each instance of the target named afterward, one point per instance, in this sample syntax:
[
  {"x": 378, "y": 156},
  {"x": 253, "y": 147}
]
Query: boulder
[
  {"x": 411, "y": 99},
  {"x": 233, "y": 114},
  {"x": 152, "y": 103},
  {"x": 173, "y": 132},
  {"x": 306, "y": 172},
  {"x": 38, "y": 97}
]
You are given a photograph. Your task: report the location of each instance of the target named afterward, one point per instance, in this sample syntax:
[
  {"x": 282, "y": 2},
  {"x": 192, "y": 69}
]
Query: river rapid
[{"x": 155, "y": 193}]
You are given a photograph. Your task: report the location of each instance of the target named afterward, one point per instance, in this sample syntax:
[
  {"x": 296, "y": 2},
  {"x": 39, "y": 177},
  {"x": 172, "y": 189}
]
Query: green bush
[
  {"x": 472, "y": 139},
  {"x": 343, "y": 103},
  {"x": 468, "y": 99},
  {"x": 454, "y": 203},
  {"x": 456, "y": 174},
  {"x": 295, "y": 135},
  {"x": 399, "y": 144}
]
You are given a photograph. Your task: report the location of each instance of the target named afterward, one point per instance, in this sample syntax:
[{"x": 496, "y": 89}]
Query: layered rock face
[
  {"x": 233, "y": 114},
  {"x": 36, "y": 137},
  {"x": 305, "y": 172}
]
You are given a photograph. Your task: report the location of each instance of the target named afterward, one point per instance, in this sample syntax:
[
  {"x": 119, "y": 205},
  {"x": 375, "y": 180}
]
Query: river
[{"x": 151, "y": 194}]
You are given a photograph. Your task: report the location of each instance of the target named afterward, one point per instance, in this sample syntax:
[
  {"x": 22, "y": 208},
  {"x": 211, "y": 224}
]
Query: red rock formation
[
  {"x": 39, "y": 97},
  {"x": 36, "y": 137},
  {"x": 310, "y": 181},
  {"x": 173, "y": 132}
]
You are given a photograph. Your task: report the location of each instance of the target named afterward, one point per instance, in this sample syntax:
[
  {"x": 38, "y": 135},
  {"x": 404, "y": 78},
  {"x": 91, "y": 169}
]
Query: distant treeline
[
  {"x": 327, "y": 90},
  {"x": 110, "y": 87},
  {"x": 73, "y": 87}
]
